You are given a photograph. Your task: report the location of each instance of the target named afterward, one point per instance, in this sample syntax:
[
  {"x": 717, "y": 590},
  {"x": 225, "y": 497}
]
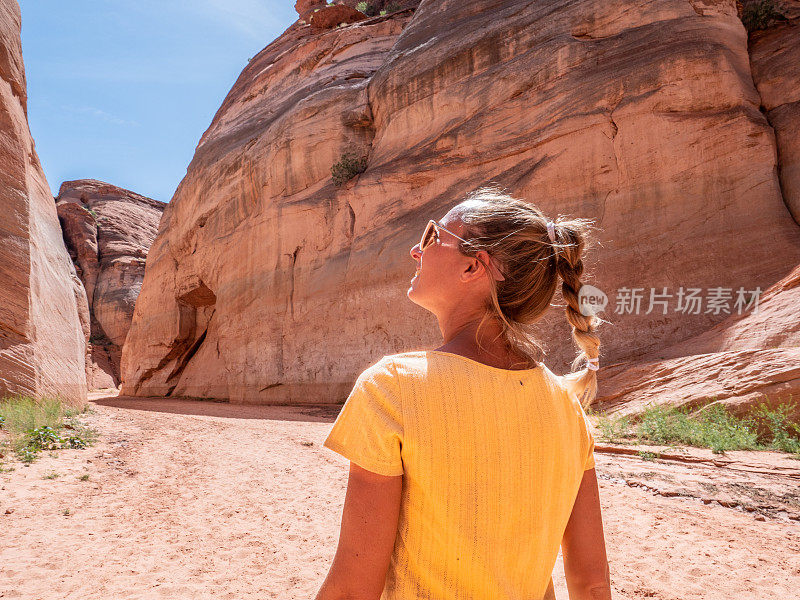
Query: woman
[{"x": 472, "y": 463}]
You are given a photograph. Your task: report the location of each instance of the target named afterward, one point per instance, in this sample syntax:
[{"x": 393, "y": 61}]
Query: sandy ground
[{"x": 198, "y": 500}]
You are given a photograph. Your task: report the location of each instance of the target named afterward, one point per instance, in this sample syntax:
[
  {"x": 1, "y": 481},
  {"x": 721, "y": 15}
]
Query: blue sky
[{"x": 122, "y": 90}]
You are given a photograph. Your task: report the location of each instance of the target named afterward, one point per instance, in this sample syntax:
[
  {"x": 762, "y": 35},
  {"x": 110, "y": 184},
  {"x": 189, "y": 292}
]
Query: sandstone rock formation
[
  {"x": 267, "y": 283},
  {"x": 108, "y": 231},
  {"x": 754, "y": 357},
  {"x": 775, "y": 60},
  {"x": 44, "y": 319},
  {"x": 321, "y": 15},
  {"x": 742, "y": 361}
]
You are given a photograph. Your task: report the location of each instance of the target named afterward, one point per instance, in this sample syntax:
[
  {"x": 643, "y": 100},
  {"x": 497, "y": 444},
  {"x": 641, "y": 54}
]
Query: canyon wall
[
  {"x": 268, "y": 283},
  {"x": 108, "y": 231},
  {"x": 44, "y": 319},
  {"x": 775, "y": 59},
  {"x": 752, "y": 357}
]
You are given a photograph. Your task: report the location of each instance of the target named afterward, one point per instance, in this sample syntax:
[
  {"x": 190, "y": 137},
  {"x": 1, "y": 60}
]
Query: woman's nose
[{"x": 415, "y": 252}]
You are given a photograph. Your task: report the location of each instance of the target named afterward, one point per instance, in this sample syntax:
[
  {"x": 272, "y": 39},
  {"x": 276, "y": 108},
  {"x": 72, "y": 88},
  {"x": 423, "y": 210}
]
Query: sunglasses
[{"x": 431, "y": 234}]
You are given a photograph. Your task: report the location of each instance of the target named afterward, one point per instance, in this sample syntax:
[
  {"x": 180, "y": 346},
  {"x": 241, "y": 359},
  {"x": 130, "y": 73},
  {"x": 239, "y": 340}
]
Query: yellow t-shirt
[{"x": 491, "y": 462}]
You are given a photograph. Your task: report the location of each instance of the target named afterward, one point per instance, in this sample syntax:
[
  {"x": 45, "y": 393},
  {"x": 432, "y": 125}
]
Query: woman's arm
[
  {"x": 584, "y": 547},
  {"x": 369, "y": 527}
]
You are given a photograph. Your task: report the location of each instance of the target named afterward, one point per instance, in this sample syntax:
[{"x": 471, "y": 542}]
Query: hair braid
[{"x": 569, "y": 248}]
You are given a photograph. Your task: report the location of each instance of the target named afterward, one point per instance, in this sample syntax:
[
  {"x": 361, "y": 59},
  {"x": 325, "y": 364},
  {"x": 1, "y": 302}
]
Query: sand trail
[{"x": 190, "y": 499}]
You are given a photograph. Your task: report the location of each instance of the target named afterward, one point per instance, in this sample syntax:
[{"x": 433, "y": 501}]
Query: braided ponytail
[{"x": 569, "y": 244}]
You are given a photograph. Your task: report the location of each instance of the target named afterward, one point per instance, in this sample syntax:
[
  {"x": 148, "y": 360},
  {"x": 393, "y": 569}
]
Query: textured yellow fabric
[{"x": 491, "y": 462}]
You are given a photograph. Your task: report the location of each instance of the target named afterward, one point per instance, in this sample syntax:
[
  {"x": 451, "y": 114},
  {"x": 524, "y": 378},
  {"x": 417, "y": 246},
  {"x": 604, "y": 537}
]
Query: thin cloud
[{"x": 100, "y": 114}]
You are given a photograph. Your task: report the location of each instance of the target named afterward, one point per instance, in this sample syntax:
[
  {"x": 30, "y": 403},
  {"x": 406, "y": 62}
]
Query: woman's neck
[{"x": 488, "y": 348}]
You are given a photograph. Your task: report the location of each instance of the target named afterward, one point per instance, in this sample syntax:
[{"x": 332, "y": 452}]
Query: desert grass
[
  {"x": 32, "y": 425},
  {"x": 714, "y": 427}
]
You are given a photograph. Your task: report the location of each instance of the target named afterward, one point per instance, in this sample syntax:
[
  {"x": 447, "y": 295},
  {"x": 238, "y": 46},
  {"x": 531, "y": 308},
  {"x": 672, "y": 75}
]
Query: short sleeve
[
  {"x": 369, "y": 428},
  {"x": 585, "y": 425}
]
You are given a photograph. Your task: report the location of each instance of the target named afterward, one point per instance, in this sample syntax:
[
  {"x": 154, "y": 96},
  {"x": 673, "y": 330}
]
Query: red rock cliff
[
  {"x": 753, "y": 357},
  {"x": 108, "y": 231},
  {"x": 267, "y": 283},
  {"x": 43, "y": 312}
]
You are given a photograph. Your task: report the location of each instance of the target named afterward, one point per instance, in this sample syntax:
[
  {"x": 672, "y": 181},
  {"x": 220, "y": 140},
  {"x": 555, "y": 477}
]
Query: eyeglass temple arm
[{"x": 448, "y": 231}]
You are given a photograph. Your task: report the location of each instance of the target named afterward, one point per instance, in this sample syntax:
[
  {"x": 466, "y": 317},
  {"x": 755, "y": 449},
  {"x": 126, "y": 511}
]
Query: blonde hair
[{"x": 514, "y": 233}]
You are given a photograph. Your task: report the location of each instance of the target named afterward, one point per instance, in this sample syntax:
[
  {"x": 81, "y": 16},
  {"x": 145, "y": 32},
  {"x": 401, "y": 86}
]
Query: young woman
[{"x": 472, "y": 463}]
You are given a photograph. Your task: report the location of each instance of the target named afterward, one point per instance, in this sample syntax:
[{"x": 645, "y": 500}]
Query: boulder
[
  {"x": 305, "y": 7},
  {"x": 108, "y": 231},
  {"x": 332, "y": 16},
  {"x": 44, "y": 320}
]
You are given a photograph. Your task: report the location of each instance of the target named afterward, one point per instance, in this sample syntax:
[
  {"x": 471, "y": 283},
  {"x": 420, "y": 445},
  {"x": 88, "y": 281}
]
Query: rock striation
[
  {"x": 44, "y": 320},
  {"x": 267, "y": 283},
  {"x": 108, "y": 231}
]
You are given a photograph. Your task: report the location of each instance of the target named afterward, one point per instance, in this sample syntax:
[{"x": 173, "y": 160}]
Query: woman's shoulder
[
  {"x": 392, "y": 365},
  {"x": 424, "y": 364},
  {"x": 401, "y": 363},
  {"x": 415, "y": 364}
]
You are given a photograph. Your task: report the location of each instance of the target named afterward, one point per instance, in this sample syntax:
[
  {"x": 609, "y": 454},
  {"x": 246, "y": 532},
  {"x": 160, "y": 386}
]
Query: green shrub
[
  {"x": 35, "y": 426},
  {"x": 27, "y": 455},
  {"x": 775, "y": 428},
  {"x": 713, "y": 427},
  {"x": 614, "y": 429},
  {"x": 22, "y": 413},
  {"x": 43, "y": 438},
  {"x": 758, "y": 15},
  {"x": 348, "y": 166},
  {"x": 393, "y": 7}
]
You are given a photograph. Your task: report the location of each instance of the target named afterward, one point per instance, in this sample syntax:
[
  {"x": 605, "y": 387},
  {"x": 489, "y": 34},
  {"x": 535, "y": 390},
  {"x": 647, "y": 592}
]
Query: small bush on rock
[
  {"x": 348, "y": 166},
  {"x": 759, "y": 15},
  {"x": 367, "y": 8}
]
